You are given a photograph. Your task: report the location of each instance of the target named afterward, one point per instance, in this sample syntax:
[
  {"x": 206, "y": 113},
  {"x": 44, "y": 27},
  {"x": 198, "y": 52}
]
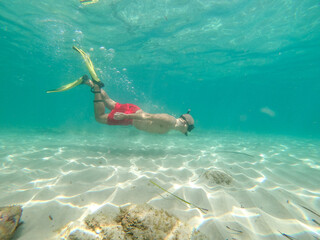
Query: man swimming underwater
[{"x": 126, "y": 114}]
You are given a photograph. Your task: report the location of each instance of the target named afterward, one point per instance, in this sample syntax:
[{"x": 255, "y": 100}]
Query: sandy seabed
[{"x": 253, "y": 186}]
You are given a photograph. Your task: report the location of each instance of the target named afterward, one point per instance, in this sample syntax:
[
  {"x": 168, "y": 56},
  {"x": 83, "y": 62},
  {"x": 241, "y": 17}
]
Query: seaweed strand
[{"x": 203, "y": 210}]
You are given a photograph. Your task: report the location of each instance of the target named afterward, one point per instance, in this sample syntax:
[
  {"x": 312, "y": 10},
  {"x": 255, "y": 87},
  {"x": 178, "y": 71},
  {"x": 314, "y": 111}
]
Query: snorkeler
[{"x": 126, "y": 114}]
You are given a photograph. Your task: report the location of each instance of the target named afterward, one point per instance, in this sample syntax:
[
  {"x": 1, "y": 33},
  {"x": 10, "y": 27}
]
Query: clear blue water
[
  {"x": 226, "y": 60},
  {"x": 248, "y": 70}
]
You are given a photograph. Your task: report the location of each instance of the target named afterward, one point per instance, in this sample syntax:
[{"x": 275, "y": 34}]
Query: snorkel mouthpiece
[{"x": 189, "y": 120}]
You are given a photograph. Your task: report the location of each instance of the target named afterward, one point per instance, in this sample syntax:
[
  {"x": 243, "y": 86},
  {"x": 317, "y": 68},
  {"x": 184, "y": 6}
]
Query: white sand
[{"x": 66, "y": 177}]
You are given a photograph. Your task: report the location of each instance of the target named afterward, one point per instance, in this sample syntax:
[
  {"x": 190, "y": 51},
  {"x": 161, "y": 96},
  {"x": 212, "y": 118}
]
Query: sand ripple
[{"x": 273, "y": 186}]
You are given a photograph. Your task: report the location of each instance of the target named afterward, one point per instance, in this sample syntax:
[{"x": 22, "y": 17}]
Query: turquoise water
[
  {"x": 248, "y": 70},
  {"x": 226, "y": 60}
]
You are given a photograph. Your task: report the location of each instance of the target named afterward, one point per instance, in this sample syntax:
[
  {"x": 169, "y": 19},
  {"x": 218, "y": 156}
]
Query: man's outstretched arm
[{"x": 161, "y": 118}]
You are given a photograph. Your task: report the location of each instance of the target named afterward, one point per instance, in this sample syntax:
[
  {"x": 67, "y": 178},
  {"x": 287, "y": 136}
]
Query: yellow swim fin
[
  {"x": 69, "y": 85},
  {"x": 90, "y": 66}
]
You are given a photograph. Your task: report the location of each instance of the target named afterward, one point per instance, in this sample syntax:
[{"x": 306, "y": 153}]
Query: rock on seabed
[{"x": 138, "y": 222}]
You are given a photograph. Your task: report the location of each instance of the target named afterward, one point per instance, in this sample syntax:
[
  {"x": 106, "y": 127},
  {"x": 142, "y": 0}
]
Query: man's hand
[{"x": 119, "y": 116}]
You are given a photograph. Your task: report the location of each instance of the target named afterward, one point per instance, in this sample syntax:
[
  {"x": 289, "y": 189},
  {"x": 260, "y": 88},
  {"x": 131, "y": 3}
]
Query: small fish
[
  {"x": 238, "y": 231},
  {"x": 287, "y": 236},
  {"x": 86, "y": 2},
  {"x": 9, "y": 221},
  {"x": 315, "y": 221},
  {"x": 310, "y": 210},
  {"x": 50, "y": 217}
]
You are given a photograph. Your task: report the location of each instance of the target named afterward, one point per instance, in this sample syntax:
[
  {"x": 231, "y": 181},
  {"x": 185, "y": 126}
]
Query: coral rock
[
  {"x": 134, "y": 222},
  {"x": 9, "y": 221}
]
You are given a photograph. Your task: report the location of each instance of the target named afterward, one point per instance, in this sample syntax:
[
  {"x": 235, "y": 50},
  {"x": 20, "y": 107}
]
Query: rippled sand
[{"x": 59, "y": 178}]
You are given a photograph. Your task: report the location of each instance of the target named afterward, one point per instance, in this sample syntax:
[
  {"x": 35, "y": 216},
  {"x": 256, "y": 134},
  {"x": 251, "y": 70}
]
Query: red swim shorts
[{"x": 123, "y": 108}]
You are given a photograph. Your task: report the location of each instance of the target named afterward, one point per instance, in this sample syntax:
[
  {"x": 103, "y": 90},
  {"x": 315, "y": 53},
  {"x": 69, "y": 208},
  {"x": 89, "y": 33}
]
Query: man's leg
[
  {"x": 99, "y": 105},
  {"x": 108, "y": 102}
]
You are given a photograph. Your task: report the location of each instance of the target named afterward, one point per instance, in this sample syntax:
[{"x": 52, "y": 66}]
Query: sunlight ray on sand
[{"x": 251, "y": 191}]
